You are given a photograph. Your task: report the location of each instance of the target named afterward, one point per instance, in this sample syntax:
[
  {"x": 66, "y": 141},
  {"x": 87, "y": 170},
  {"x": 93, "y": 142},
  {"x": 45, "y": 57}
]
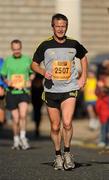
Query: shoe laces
[
  {"x": 24, "y": 141},
  {"x": 59, "y": 160},
  {"x": 68, "y": 157},
  {"x": 16, "y": 143}
]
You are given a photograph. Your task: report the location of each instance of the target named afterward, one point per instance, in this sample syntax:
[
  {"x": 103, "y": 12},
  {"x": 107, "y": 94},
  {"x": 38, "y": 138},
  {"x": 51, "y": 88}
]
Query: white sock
[
  {"x": 22, "y": 134},
  {"x": 16, "y": 138}
]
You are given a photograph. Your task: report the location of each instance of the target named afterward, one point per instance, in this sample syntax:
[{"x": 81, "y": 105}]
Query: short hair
[
  {"x": 17, "y": 41},
  {"x": 59, "y": 16}
]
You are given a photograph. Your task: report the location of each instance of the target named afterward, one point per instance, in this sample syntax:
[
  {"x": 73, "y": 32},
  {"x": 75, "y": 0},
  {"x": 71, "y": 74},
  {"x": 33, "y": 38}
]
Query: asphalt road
[{"x": 36, "y": 163}]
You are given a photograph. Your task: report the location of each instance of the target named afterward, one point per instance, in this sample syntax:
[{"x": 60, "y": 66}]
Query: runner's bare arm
[
  {"x": 37, "y": 68},
  {"x": 8, "y": 82},
  {"x": 83, "y": 77}
]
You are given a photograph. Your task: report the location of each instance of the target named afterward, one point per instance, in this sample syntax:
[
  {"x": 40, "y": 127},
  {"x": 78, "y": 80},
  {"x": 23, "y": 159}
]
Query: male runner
[{"x": 61, "y": 84}]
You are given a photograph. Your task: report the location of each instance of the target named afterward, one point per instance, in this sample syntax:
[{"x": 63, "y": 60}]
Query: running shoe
[
  {"x": 24, "y": 143},
  {"x": 58, "y": 163},
  {"x": 68, "y": 161},
  {"x": 16, "y": 145}
]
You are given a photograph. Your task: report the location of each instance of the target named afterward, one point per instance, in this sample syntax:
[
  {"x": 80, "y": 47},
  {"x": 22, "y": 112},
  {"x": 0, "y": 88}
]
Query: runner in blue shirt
[{"x": 2, "y": 95}]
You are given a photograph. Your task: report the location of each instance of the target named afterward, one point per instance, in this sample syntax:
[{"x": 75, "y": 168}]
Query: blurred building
[{"x": 29, "y": 20}]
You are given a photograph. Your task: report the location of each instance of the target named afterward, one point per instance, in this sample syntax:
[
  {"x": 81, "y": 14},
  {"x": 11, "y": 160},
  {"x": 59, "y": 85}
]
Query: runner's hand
[
  {"x": 48, "y": 75},
  {"x": 81, "y": 82}
]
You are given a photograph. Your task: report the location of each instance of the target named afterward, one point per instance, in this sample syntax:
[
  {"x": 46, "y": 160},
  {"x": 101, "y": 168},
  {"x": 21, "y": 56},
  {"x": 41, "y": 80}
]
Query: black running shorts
[
  {"x": 13, "y": 100},
  {"x": 55, "y": 99}
]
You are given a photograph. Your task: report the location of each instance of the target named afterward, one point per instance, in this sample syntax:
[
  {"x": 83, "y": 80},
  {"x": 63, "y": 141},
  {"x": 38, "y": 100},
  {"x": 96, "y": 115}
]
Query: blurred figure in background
[
  {"x": 102, "y": 105},
  {"x": 80, "y": 111},
  {"x": 90, "y": 99},
  {"x": 37, "y": 102},
  {"x": 2, "y": 96},
  {"x": 17, "y": 75}
]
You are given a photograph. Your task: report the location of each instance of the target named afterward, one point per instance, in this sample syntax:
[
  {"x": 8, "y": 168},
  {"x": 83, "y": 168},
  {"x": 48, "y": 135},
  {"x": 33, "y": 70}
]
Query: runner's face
[
  {"x": 16, "y": 49},
  {"x": 59, "y": 29}
]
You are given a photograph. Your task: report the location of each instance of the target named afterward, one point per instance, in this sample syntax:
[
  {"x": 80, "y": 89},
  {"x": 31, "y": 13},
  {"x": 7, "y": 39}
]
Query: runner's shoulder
[
  {"x": 71, "y": 39},
  {"x": 46, "y": 42},
  {"x": 49, "y": 39}
]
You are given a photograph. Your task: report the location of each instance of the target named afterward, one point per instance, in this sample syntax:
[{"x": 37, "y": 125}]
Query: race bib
[
  {"x": 18, "y": 80},
  {"x": 61, "y": 70}
]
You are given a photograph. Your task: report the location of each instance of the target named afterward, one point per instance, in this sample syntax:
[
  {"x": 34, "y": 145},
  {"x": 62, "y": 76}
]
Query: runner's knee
[
  {"x": 67, "y": 125},
  {"x": 55, "y": 128},
  {"x": 23, "y": 117}
]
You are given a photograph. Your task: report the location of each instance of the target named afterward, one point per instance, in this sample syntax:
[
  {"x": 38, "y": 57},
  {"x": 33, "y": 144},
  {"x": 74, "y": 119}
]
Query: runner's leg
[
  {"x": 68, "y": 107},
  {"x": 54, "y": 115}
]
